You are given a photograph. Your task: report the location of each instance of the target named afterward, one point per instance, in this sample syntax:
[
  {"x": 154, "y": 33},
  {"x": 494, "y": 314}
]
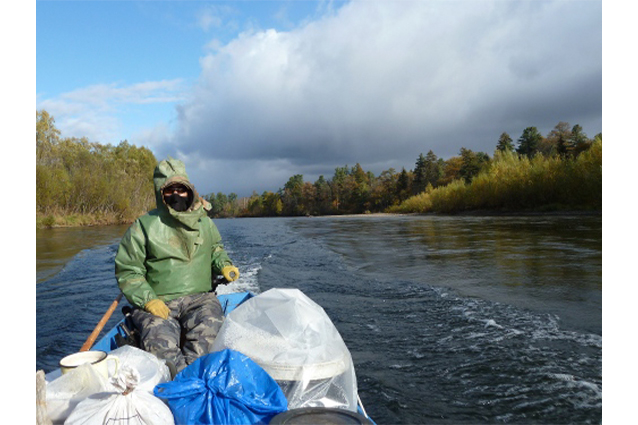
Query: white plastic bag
[
  {"x": 127, "y": 405},
  {"x": 292, "y": 338},
  {"x": 66, "y": 391},
  {"x": 152, "y": 370}
]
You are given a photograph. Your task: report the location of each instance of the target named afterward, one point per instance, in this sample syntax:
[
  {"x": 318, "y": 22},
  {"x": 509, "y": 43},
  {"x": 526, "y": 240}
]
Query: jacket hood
[{"x": 171, "y": 171}]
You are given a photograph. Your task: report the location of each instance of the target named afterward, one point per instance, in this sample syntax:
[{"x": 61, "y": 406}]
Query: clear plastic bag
[
  {"x": 65, "y": 392},
  {"x": 125, "y": 405},
  {"x": 293, "y": 339}
]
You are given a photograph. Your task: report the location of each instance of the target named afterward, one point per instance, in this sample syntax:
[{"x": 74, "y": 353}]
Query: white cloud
[
  {"x": 96, "y": 111},
  {"x": 381, "y": 82},
  {"x": 209, "y": 17}
]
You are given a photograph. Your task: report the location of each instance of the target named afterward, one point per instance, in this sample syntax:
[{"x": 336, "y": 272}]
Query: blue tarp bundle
[{"x": 224, "y": 387}]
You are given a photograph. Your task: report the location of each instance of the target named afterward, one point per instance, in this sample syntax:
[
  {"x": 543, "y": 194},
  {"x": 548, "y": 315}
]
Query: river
[{"x": 449, "y": 319}]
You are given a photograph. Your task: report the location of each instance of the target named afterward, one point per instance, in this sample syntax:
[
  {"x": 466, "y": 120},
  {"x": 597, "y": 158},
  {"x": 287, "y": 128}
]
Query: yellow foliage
[{"x": 514, "y": 182}]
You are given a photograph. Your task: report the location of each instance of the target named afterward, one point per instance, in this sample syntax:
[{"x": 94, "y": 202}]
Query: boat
[{"x": 123, "y": 333}]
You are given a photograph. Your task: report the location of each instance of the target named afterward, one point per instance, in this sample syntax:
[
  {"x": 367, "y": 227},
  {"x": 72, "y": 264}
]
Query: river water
[{"x": 450, "y": 320}]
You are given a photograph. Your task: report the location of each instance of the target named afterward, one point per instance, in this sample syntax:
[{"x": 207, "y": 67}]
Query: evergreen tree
[
  {"x": 529, "y": 141},
  {"x": 579, "y": 140},
  {"x": 403, "y": 185},
  {"x": 562, "y": 145},
  {"x": 420, "y": 178},
  {"x": 470, "y": 166},
  {"x": 323, "y": 196},
  {"x": 361, "y": 189},
  {"x": 385, "y": 190},
  {"x": 433, "y": 169},
  {"x": 505, "y": 143},
  {"x": 292, "y": 195},
  {"x": 578, "y": 135},
  {"x": 337, "y": 186},
  {"x": 557, "y": 141}
]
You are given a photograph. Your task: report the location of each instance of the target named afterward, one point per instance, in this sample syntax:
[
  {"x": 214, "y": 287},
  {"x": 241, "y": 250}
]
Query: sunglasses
[{"x": 180, "y": 190}]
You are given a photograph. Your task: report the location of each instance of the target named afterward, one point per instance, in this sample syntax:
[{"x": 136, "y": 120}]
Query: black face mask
[{"x": 178, "y": 203}]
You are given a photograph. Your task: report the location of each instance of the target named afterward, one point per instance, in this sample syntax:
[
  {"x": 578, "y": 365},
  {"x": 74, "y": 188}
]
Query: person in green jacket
[{"x": 164, "y": 267}]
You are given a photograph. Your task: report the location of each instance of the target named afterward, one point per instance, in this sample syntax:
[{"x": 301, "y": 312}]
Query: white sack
[
  {"x": 126, "y": 405},
  {"x": 152, "y": 370},
  {"x": 65, "y": 392}
]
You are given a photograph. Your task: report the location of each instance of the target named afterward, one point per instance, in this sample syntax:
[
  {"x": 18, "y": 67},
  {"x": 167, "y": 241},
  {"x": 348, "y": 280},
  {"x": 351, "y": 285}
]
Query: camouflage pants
[{"x": 187, "y": 334}]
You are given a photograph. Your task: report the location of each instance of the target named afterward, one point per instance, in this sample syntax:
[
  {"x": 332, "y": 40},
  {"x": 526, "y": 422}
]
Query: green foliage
[
  {"x": 433, "y": 169},
  {"x": 292, "y": 196},
  {"x": 472, "y": 163},
  {"x": 403, "y": 184},
  {"x": 529, "y": 142},
  {"x": 420, "y": 178},
  {"x": 505, "y": 143},
  {"x": 76, "y": 178}
]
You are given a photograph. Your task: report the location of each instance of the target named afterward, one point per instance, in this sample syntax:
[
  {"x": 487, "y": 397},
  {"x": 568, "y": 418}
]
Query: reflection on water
[
  {"x": 547, "y": 264},
  {"x": 54, "y": 247}
]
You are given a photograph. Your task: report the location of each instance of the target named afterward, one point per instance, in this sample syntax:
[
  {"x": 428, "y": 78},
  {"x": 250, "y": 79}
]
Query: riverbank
[{"x": 79, "y": 220}]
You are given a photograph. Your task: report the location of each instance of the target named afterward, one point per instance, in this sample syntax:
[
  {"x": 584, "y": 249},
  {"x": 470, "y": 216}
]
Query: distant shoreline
[{"x": 478, "y": 213}]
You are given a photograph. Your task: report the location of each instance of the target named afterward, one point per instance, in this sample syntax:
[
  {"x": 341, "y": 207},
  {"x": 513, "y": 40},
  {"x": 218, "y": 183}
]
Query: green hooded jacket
[{"x": 167, "y": 254}]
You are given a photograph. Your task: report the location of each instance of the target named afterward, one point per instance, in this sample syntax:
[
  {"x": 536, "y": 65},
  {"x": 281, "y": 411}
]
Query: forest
[
  {"x": 83, "y": 183},
  {"x": 559, "y": 171},
  {"x": 79, "y": 182}
]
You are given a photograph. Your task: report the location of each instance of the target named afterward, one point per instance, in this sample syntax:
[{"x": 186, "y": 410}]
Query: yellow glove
[
  {"x": 231, "y": 273},
  {"x": 158, "y": 308}
]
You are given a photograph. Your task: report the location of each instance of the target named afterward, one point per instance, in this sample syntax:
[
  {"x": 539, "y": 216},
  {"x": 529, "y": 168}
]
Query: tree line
[
  {"x": 560, "y": 170},
  {"x": 80, "y": 182}
]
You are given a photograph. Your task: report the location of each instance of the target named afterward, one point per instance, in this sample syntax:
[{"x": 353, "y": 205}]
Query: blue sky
[{"x": 250, "y": 93}]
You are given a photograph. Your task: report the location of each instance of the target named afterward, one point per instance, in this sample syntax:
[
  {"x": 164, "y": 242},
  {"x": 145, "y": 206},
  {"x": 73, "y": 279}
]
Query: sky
[{"x": 250, "y": 93}]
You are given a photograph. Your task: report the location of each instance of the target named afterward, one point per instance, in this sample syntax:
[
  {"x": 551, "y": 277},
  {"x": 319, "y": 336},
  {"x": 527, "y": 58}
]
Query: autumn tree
[
  {"x": 323, "y": 193},
  {"x": 76, "y": 176},
  {"x": 361, "y": 189},
  {"x": 337, "y": 187},
  {"x": 255, "y": 205},
  {"x": 451, "y": 170},
  {"x": 384, "y": 190},
  {"x": 291, "y": 195}
]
